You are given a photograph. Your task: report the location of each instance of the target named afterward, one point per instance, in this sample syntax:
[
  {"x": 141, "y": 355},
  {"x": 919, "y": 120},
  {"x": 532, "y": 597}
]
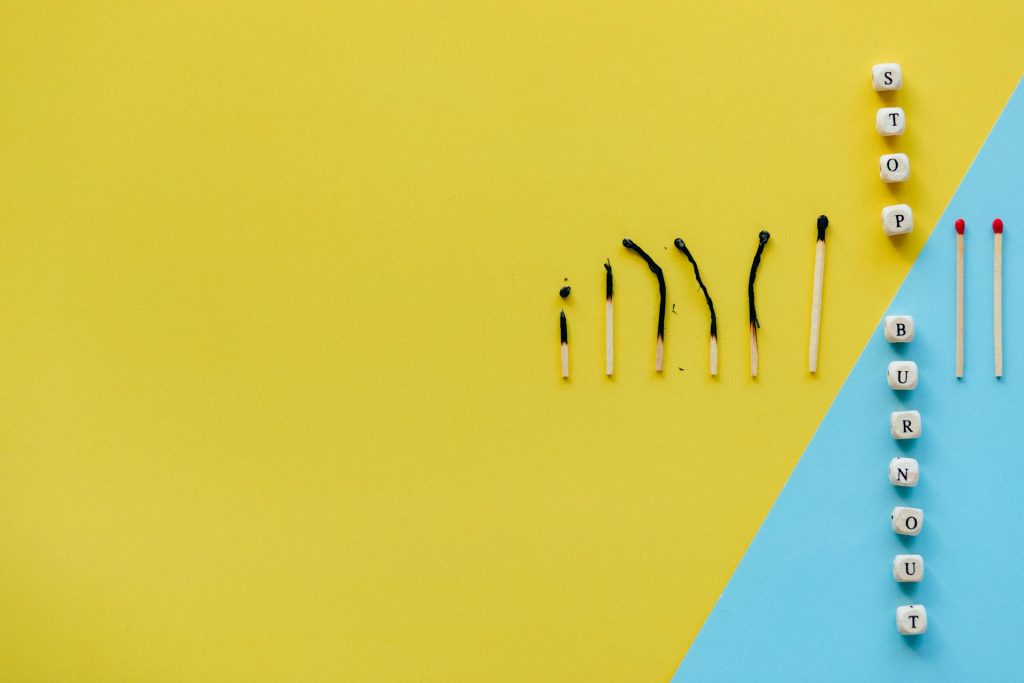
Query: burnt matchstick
[
  {"x": 609, "y": 321},
  {"x": 997, "y": 294},
  {"x": 656, "y": 269},
  {"x": 564, "y": 334},
  {"x": 960, "y": 226},
  {"x": 819, "y": 279},
  {"x": 713, "y": 348},
  {"x": 762, "y": 239}
]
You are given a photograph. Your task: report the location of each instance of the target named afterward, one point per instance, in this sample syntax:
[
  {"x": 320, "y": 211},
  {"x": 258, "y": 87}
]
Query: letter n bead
[
  {"x": 905, "y": 424},
  {"x": 904, "y": 472}
]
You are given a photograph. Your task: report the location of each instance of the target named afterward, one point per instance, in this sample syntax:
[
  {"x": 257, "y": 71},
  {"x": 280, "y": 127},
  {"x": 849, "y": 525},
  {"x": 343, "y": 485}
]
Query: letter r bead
[{"x": 905, "y": 424}]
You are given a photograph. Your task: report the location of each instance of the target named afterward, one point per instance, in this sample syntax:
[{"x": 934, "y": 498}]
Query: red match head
[
  {"x": 997, "y": 226},
  {"x": 960, "y": 225}
]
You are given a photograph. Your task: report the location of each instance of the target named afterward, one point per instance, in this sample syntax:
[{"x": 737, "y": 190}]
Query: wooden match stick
[
  {"x": 659, "y": 351},
  {"x": 997, "y": 294},
  {"x": 819, "y": 279},
  {"x": 762, "y": 239},
  {"x": 564, "y": 333},
  {"x": 960, "y": 225},
  {"x": 609, "y": 321},
  {"x": 713, "y": 348}
]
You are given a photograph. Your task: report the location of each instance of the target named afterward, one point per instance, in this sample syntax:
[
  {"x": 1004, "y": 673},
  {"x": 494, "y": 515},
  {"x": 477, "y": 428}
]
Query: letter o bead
[
  {"x": 907, "y": 521},
  {"x": 894, "y": 168}
]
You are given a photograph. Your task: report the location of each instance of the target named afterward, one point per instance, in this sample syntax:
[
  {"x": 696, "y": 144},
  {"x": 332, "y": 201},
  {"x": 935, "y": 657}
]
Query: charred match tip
[
  {"x": 564, "y": 292},
  {"x": 627, "y": 243},
  {"x": 608, "y": 265},
  {"x": 822, "y": 224},
  {"x": 997, "y": 226},
  {"x": 960, "y": 225},
  {"x": 763, "y": 236},
  {"x": 680, "y": 244}
]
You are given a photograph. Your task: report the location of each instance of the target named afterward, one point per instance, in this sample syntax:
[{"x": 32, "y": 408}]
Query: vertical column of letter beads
[
  {"x": 911, "y": 620},
  {"x": 897, "y": 219}
]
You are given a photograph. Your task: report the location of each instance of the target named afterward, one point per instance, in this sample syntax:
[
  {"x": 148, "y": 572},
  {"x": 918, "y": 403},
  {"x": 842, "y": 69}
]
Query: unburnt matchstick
[
  {"x": 713, "y": 348},
  {"x": 819, "y": 279},
  {"x": 609, "y": 321},
  {"x": 997, "y": 294},
  {"x": 960, "y": 226},
  {"x": 762, "y": 239},
  {"x": 656, "y": 269},
  {"x": 564, "y": 334}
]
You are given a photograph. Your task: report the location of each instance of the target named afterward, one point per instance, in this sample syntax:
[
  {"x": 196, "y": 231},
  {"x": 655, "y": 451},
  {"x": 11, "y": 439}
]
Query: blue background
[{"x": 814, "y": 598}]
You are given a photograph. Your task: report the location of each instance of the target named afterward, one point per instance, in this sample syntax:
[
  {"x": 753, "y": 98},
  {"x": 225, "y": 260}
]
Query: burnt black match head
[
  {"x": 564, "y": 292},
  {"x": 680, "y": 244},
  {"x": 822, "y": 224},
  {"x": 627, "y": 243},
  {"x": 763, "y": 236}
]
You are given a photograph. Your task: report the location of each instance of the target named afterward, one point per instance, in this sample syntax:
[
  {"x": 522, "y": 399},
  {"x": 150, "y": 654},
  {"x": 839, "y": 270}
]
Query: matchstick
[
  {"x": 609, "y": 321},
  {"x": 713, "y": 345},
  {"x": 997, "y": 294},
  {"x": 762, "y": 239},
  {"x": 819, "y": 279},
  {"x": 659, "y": 351},
  {"x": 960, "y": 225},
  {"x": 564, "y": 333}
]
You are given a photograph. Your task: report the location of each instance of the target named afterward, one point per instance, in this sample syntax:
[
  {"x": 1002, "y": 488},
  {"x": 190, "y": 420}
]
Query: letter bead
[
  {"x": 908, "y": 568},
  {"x": 911, "y": 620},
  {"x": 904, "y": 472},
  {"x": 890, "y": 121},
  {"x": 902, "y": 375},
  {"x": 899, "y": 328},
  {"x": 894, "y": 168},
  {"x": 907, "y": 521},
  {"x": 897, "y": 219},
  {"x": 886, "y": 77},
  {"x": 905, "y": 424}
]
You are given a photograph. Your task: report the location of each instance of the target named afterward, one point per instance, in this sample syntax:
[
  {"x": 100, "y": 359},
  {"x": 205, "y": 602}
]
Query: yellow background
[{"x": 279, "y": 393}]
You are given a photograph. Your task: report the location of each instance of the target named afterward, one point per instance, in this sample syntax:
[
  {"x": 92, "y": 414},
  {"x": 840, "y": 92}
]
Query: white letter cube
[
  {"x": 902, "y": 375},
  {"x": 908, "y": 568},
  {"x": 907, "y": 521},
  {"x": 890, "y": 121},
  {"x": 894, "y": 168},
  {"x": 905, "y": 424},
  {"x": 904, "y": 472},
  {"x": 911, "y": 620},
  {"x": 886, "y": 77},
  {"x": 897, "y": 219},
  {"x": 899, "y": 328}
]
